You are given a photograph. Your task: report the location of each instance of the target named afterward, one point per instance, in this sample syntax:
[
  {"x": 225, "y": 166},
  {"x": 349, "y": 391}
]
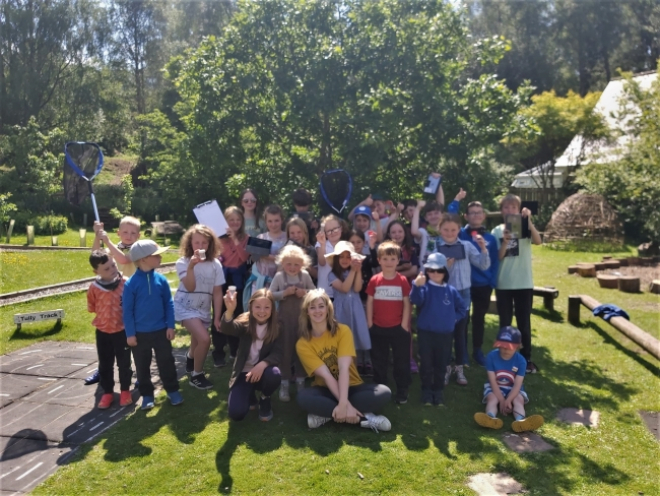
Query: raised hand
[{"x": 420, "y": 280}]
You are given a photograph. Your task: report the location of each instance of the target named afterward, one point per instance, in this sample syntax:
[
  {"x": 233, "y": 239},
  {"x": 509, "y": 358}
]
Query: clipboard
[{"x": 209, "y": 214}]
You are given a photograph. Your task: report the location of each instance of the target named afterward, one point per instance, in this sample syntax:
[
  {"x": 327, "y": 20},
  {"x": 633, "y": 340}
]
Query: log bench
[{"x": 549, "y": 295}]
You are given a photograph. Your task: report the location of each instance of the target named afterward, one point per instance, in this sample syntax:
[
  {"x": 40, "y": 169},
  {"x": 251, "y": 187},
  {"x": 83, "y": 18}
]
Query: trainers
[
  {"x": 93, "y": 379},
  {"x": 530, "y": 423},
  {"x": 368, "y": 370},
  {"x": 190, "y": 364},
  {"x": 401, "y": 397},
  {"x": 479, "y": 357},
  {"x": 485, "y": 420},
  {"x": 175, "y": 398},
  {"x": 219, "y": 362},
  {"x": 232, "y": 358},
  {"x": 376, "y": 422},
  {"x": 200, "y": 381},
  {"x": 284, "y": 393},
  {"x": 125, "y": 398},
  {"x": 265, "y": 411},
  {"x": 106, "y": 401},
  {"x": 413, "y": 367},
  {"x": 531, "y": 368},
  {"x": 253, "y": 402},
  {"x": 427, "y": 398},
  {"x": 438, "y": 398},
  {"x": 300, "y": 384},
  {"x": 147, "y": 403},
  {"x": 460, "y": 376},
  {"x": 447, "y": 375},
  {"x": 314, "y": 421}
]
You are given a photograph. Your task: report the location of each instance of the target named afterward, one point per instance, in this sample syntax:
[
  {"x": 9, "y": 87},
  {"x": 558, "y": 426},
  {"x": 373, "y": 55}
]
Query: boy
[
  {"x": 504, "y": 389},
  {"x": 514, "y": 280},
  {"x": 129, "y": 233},
  {"x": 362, "y": 220},
  {"x": 149, "y": 322},
  {"x": 302, "y": 201},
  {"x": 104, "y": 298},
  {"x": 388, "y": 317},
  {"x": 378, "y": 207},
  {"x": 483, "y": 281}
]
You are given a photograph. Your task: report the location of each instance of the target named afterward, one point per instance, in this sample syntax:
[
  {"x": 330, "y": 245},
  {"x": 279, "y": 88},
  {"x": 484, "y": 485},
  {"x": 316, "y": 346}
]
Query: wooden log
[
  {"x": 629, "y": 284},
  {"x": 607, "y": 257},
  {"x": 608, "y": 281},
  {"x": 623, "y": 262},
  {"x": 587, "y": 270},
  {"x": 599, "y": 265},
  {"x": 612, "y": 264},
  {"x": 654, "y": 287},
  {"x": 646, "y": 261},
  {"x": 574, "y": 303},
  {"x": 572, "y": 269},
  {"x": 633, "y": 261},
  {"x": 549, "y": 294}
]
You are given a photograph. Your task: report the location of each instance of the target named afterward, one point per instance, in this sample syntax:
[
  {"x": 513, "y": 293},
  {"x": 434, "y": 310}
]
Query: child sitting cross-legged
[{"x": 504, "y": 389}]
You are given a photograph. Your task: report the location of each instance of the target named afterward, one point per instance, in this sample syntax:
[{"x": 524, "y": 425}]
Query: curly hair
[{"x": 212, "y": 251}]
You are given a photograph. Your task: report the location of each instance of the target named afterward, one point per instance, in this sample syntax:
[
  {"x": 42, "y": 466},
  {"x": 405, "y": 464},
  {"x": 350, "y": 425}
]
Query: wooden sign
[{"x": 24, "y": 318}]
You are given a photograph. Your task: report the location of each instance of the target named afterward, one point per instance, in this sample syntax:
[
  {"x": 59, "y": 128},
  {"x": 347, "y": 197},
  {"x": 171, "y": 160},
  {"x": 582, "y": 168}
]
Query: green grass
[{"x": 195, "y": 449}]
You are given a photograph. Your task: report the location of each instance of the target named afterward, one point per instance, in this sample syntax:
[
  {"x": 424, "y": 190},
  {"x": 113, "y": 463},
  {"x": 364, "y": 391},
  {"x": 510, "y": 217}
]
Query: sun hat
[
  {"x": 362, "y": 210},
  {"x": 144, "y": 248},
  {"x": 436, "y": 261},
  {"x": 508, "y": 337},
  {"x": 340, "y": 248}
]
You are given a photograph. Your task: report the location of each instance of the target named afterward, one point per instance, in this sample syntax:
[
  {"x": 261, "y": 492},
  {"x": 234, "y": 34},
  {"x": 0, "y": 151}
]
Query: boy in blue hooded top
[
  {"x": 439, "y": 307},
  {"x": 149, "y": 322}
]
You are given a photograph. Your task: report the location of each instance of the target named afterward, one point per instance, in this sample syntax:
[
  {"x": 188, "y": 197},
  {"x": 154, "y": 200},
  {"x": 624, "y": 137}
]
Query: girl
[
  {"x": 234, "y": 260},
  {"x": 249, "y": 204},
  {"x": 289, "y": 286},
  {"x": 460, "y": 273},
  {"x": 259, "y": 349},
  {"x": 346, "y": 281},
  {"x": 202, "y": 277},
  {"x": 326, "y": 351},
  {"x": 439, "y": 307},
  {"x": 265, "y": 267},
  {"x": 326, "y": 239},
  {"x": 409, "y": 263},
  {"x": 296, "y": 231}
]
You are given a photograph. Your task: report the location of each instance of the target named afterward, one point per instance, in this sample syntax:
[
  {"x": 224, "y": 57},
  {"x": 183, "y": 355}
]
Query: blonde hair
[
  {"x": 186, "y": 242},
  {"x": 447, "y": 217},
  {"x": 293, "y": 251},
  {"x": 389, "y": 248},
  {"x": 272, "y": 327},
  {"x": 297, "y": 221},
  {"x": 305, "y": 324},
  {"x": 131, "y": 221},
  {"x": 240, "y": 234}
]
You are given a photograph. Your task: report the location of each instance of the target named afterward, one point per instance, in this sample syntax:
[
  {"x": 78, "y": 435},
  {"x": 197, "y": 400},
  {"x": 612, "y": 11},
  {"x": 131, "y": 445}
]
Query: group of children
[{"x": 370, "y": 273}]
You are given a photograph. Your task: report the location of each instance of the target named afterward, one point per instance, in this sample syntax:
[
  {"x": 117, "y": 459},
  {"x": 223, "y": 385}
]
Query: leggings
[
  {"x": 241, "y": 394},
  {"x": 366, "y": 398}
]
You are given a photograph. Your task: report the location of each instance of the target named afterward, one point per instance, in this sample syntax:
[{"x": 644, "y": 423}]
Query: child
[
  {"x": 259, "y": 352},
  {"x": 366, "y": 220},
  {"x": 370, "y": 261},
  {"x": 234, "y": 260},
  {"x": 326, "y": 239},
  {"x": 104, "y": 299},
  {"x": 296, "y": 231},
  {"x": 249, "y": 203},
  {"x": 302, "y": 201},
  {"x": 383, "y": 211},
  {"x": 149, "y": 322},
  {"x": 346, "y": 281},
  {"x": 388, "y": 317},
  {"x": 514, "y": 280},
  {"x": 427, "y": 237},
  {"x": 482, "y": 281},
  {"x": 289, "y": 286},
  {"x": 504, "y": 389},
  {"x": 129, "y": 233},
  {"x": 409, "y": 263},
  {"x": 200, "y": 291},
  {"x": 439, "y": 308}
]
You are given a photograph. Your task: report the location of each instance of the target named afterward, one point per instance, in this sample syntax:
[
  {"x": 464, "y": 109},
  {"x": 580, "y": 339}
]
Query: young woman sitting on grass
[{"x": 326, "y": 351}]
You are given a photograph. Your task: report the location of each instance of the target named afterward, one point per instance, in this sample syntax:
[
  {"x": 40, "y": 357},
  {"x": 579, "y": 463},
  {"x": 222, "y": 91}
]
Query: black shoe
[
  {"x": 438, "y": 398},
  {"x": 190, "y": 364},
  {"x": 368, "y": 370},
  {"x": 401, "y": 398},
  {"x": 200, "y": 382},
  {"x": 265, "y": 411},
  {"x": 427, "y": 398},
  {"x": 531, "y": 368},
  {"x": 254, "y": 402},
  {"x": 93, "y": 379},
  {"x": 219, "y": 362}
]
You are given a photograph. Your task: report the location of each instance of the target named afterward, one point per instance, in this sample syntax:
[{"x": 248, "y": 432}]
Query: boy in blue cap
[{"x": 504, "y": 389}]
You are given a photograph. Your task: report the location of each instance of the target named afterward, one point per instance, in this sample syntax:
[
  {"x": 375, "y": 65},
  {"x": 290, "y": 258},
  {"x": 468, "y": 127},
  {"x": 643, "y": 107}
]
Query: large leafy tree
[{"x": 293, "y": 88}]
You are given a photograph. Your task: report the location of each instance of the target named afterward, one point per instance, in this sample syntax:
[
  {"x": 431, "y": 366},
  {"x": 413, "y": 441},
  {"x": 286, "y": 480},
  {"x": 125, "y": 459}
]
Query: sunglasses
[
  {"x": 433, "y": 271},
  {"x": 249, "y": 200},
  {"x": 333, "y": 231}
]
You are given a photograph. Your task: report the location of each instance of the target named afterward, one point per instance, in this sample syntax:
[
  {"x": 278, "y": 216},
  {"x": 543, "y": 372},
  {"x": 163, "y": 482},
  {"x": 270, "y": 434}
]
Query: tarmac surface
[{"x": 47, "y": 412}]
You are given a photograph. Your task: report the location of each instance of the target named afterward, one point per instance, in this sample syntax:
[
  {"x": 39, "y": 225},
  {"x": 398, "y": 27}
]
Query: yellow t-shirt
[
  {"x": 127, "y": 269},
  {"x": 326, "y": 350}
]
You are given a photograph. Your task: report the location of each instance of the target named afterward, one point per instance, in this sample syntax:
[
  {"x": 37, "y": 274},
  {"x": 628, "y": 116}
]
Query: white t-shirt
[
  {"x": 324, "y": 270},
  {"x": 199, "y": 303},
  {"x": 255, "y": 348}
]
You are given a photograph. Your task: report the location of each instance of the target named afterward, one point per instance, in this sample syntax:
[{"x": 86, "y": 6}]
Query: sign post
[{"x": 24, "y": 318}]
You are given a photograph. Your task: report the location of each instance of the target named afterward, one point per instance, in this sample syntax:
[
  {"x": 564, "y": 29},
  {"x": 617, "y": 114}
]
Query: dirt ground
[{"x": 645, "y": 274}]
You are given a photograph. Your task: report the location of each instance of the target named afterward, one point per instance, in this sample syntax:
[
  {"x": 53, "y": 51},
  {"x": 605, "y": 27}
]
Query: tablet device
[
  {"x": 432, "y": 184},
  {"x": 258, "y": 247},
  {"x": 457, "y": 251}
]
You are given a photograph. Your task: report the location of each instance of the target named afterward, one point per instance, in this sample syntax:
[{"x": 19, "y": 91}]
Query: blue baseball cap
[
  {"x": 508, "y": 337},
  {"x": 436, "y": 261},
  {"x": 362, "y": 210}
]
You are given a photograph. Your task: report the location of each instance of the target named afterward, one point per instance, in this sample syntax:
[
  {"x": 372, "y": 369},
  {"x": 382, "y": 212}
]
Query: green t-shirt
[{"x": 516, "y": 267}]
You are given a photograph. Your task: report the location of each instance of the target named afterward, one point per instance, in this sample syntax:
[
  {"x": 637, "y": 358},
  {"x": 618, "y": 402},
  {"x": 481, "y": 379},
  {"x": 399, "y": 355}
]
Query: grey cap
[
  {"x": 436, "y": 261},
  {"x": 144, "y": 248}
]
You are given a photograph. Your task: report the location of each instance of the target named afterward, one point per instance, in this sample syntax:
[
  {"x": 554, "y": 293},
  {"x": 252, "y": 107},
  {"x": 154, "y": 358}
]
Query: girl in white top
[
  {"x": 200, "y": 291},
  {"x": 326, "y": 239}
]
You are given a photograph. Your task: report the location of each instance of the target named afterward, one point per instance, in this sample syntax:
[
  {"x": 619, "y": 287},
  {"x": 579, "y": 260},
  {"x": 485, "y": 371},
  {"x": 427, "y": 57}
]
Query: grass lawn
[{"x": 195, "y": 449}]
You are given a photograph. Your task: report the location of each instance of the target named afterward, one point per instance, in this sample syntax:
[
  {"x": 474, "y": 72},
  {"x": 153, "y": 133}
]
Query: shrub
[{"x": 42, "y": 223}]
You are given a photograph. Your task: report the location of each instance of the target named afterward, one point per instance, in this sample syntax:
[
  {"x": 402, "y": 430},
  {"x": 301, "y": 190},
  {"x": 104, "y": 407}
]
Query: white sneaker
[
  {"x": 314, "y": 421},
  {"x": 460, "y": 376},
  {"x": 284, "y": 393},
  {"x": 376, "y": 422}
]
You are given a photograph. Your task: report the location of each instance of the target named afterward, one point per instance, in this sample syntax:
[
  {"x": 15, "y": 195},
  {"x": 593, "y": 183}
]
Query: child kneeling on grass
[
  {"x": 149, "y": 322},
  {"x": 504, "y": 389}
]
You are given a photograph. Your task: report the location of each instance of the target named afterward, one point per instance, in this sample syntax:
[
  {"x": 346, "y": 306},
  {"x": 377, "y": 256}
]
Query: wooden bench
[{"x": 548, "y": 293}]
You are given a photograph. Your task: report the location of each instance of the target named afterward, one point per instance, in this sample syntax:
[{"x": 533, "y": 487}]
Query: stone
[
  {"x": 499, "y": 484},
  {"x": 652, "y": 421},
  {"x": 574, "y": 416},
  {"x": 526, "y": 442}
]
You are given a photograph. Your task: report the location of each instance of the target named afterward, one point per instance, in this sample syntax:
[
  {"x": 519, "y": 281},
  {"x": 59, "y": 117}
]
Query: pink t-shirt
[{"x": 255, "y": 348}]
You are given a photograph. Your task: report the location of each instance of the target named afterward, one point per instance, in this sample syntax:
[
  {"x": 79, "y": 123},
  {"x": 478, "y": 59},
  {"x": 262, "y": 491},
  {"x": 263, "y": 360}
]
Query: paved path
[{"x": 46, "y": 411}]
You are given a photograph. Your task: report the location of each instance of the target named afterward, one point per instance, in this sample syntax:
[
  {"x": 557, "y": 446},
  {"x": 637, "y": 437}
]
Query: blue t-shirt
[{"x": 505, "y": 370}]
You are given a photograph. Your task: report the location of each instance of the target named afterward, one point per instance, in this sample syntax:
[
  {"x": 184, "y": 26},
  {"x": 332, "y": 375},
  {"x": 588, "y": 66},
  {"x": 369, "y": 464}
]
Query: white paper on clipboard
[{"x": 209, "y": 214}]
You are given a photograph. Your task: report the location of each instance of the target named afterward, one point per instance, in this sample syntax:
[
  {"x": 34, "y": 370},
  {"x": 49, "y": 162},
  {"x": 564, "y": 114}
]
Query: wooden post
[
  {"x": 30, "y": 235},
  {"x": 10, "y": 230},
  {"x": 574, "y": 303},
  {"x": 549, "y": 303},
  {"x": 83, "y": 237},
  {"x": 157, "y": 218},
  {"x": 53, "y": 241}
]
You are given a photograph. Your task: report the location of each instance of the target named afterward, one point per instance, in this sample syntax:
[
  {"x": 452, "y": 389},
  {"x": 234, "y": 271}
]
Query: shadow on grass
[
  {"x": 25, "y": 334},
  {"x": 551, "y": 315}
]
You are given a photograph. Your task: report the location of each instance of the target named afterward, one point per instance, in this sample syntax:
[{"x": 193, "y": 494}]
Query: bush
[{"x": 42, "y": 223}]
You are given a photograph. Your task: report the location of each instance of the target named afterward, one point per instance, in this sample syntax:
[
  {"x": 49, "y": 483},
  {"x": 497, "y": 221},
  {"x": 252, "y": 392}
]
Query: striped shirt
[{"x": 460, "y": 273}]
